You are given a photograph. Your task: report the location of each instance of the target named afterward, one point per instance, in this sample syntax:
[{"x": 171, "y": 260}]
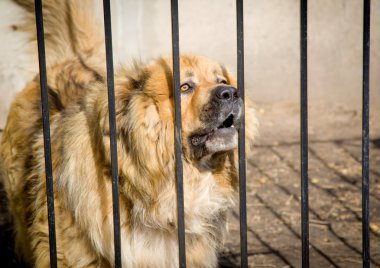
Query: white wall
[{"x": 271, "y": 42}]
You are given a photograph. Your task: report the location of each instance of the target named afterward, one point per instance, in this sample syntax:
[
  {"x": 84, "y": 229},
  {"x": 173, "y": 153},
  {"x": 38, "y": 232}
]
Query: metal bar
[
  {"x": 304, "y": 138},
  {"x": 365, "y": 135},
  {"x": 178, "y": 135},
  {"x": 112, "y": 125},
  {"x": 242, "y": 163},
  {"x": 46, "y": 132}
]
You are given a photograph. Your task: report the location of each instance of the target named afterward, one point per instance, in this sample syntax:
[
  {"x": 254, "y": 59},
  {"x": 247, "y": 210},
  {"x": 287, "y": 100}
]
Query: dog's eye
[
  {"x": 223, "y": 81},
  {"x": 185, "y": 87}
]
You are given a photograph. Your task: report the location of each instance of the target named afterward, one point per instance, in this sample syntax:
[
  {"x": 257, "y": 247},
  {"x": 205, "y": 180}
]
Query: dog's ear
[
  {"x": 138, "y": 76},
  {"x": 140, "y": 135},
  {"x": 129, "y": 82},
  {"x": 142, "y": 146}
]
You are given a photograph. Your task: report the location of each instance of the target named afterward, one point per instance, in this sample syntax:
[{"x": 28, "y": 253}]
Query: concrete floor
[{"x": 335, "y": 206}]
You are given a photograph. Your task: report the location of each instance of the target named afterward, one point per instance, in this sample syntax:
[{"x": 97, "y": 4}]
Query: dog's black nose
[{"x": 225, "y": 93}]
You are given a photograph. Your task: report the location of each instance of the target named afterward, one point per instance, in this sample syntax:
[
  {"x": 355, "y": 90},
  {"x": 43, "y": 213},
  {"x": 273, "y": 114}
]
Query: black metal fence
[{"x": 177, "y": 134}]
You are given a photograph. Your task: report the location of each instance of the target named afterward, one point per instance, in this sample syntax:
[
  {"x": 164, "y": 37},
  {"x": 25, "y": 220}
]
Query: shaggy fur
[{"x": 81, "y": 154}]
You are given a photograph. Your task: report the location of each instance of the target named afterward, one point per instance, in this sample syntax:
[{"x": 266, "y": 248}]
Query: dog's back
[{"x": 75, "y": 59}]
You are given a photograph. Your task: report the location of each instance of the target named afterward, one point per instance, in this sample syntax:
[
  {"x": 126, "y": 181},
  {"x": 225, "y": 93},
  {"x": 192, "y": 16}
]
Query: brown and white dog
[{"x": 211, "y": 116}]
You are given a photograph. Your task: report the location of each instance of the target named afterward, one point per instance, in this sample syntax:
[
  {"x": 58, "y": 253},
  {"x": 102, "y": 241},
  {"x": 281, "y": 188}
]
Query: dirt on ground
[{"x": 273, "y": 192}]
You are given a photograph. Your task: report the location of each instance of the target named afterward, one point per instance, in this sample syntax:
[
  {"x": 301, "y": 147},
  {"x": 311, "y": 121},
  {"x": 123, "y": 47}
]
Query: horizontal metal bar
[
  {"x": 112, "y": 125},
  {"x": 46, "y": 132}
]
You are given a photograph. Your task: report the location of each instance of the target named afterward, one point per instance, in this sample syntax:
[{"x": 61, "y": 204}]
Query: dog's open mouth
[
  {"x": 229, "y": 122},
  {"x": 221, "y": 138}
]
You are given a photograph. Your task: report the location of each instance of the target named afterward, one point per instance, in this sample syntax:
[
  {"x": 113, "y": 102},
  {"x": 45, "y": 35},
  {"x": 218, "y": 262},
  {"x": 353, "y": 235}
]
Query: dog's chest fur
[{"x": 148, "y": 223}]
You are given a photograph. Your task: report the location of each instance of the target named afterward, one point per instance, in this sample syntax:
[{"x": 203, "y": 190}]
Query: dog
[{"x": 211, "y": 116}]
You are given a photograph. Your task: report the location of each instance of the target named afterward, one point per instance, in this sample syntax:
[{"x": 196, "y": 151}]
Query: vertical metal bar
[
  {"x": 242, "y": 164},
  {"x": 304, "y": 139},
  {"x": 365, "y": 135},
  {"x": 112, "y": 125},
  {"x": 178, "y": 134},
  {"x": 46, "y": 132}
]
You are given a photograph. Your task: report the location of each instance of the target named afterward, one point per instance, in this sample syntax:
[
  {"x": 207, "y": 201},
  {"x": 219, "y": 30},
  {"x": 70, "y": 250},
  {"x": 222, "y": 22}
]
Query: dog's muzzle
[{"x": 221, "y": 117}]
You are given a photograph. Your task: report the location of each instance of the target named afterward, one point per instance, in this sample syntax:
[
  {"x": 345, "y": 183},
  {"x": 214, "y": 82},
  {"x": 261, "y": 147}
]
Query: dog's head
[{"x": 210, "y": 103}]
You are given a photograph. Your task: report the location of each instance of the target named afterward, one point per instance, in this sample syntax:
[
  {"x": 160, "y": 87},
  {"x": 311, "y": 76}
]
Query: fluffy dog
[{"x": 211, "y": 116}]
